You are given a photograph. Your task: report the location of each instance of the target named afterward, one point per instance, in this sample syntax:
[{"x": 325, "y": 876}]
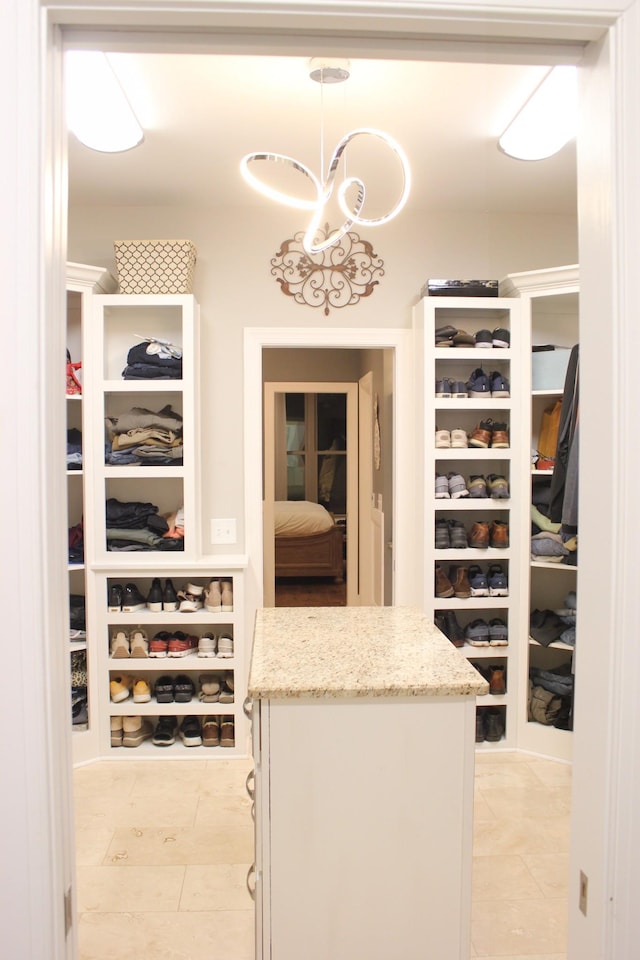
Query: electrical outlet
[
  {"x": 223, "y": 531},
  {"x": 584, "y": 884}
]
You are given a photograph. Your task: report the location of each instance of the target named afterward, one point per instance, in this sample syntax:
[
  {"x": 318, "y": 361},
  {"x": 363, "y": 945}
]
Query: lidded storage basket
[{"x": 155, "y": 266}]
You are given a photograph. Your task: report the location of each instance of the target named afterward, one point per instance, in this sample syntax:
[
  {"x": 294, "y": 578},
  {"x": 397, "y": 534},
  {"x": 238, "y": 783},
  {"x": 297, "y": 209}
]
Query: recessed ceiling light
[
  {"x": 548, "y": 119},
  {"x": 98, "y": 112}
]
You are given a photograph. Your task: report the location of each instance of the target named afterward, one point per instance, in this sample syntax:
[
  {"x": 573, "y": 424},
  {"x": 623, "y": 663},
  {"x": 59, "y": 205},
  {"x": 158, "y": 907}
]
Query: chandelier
[{"x": 326, "y": 72}]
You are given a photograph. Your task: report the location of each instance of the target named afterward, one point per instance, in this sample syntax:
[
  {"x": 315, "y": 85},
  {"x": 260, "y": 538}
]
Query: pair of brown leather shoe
[
  {"x": 454, "y": 585},
  {"x": 483, "y": 534},
  {"x": 489, "y": 434}
]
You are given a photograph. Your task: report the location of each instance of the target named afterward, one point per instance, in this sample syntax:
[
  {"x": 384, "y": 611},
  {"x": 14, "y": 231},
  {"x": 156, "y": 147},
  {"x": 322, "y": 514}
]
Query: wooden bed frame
[{"x": 314, "y": 555}]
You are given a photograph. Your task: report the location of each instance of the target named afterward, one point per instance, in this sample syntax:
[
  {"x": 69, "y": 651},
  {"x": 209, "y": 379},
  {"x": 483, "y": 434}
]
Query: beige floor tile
[
  {"x": 519, "y": 927},
  {"x": 116, "y": 814},
  {"x": 520, "y": 836},
  {"x": 148, "y": 846},
  {"x": 226, "y": 777},
  {"x": 503, "y": 878},
  {"x": 500, "y": 756},
  {"x": 103, "y": 778},
  {"x": 226, "y": 808},
  {"x": 156, "y": 775},
  {"x": 129, "y": 890},
  {"x": 216, "y": 887},
  {"x": 495, "y": 776},
  {"x": 551, "y": 772},
  {"x": 531, "y": 956},
  {"x": 218, "y": 935},
  {"x": 550, "y": 871},
  {"x": 481, "y": 809},
  {"x": 528, "y": 801},
  {"x": 92, "y": 841}
]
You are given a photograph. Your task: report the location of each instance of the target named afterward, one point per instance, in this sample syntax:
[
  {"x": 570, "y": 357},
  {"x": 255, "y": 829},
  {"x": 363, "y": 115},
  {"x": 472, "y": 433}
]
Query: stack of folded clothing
[
  {"x": 74, "y": 449},
  {"x": 549, "y": 626},
  {"x": 133, "y": 526},
  {"x": 144, "y": 438},
  {"x": 551, "y": 695},
  {"x": 547, "y": 540},
  {"x": 153, "y": 359}
]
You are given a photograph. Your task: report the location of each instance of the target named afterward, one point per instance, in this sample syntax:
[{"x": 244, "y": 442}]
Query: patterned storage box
[{"x": 155, "y": 266}]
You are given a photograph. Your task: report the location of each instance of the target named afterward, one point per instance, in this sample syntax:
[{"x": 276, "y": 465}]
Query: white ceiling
[{"x": 202, "y": 113}]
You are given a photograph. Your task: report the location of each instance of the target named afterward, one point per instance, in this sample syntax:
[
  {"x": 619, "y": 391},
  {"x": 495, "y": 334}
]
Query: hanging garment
[{"x": 567, "y": 434}]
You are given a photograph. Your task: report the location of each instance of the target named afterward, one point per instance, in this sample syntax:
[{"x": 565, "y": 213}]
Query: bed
[{"x": 308, "y": 542}]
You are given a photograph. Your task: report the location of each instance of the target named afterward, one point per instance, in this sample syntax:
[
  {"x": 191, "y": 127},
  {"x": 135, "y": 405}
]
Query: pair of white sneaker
[
  {"x": 208, "y": 646},
  {"x": 451, "y": 438}
]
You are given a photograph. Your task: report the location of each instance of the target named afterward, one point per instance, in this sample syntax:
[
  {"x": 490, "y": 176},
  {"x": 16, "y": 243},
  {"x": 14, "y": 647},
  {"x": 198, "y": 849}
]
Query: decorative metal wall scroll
[{"x": 337, "y": 276}]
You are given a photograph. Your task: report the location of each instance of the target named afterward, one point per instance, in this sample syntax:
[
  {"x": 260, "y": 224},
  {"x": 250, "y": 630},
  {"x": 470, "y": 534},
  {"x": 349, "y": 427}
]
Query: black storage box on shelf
[{"x": 460, "y": 288}]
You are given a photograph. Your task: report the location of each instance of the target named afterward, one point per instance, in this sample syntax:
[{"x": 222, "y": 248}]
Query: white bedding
[{"x": 299, "y": 518}]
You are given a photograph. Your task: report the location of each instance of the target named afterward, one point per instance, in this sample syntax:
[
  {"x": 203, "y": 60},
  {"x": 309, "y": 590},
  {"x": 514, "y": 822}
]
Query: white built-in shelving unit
[
  {"x": 435, "y": 363},
  {"x": 550, "y": 305}
]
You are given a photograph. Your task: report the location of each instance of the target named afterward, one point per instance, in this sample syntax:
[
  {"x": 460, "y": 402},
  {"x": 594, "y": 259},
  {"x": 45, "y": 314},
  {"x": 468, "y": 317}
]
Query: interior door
[
  {"x": 366, "y": 571},
  {"x": 273, "y": 450}
]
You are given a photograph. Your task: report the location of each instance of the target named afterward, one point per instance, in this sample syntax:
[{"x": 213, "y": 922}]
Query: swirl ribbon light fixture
[{"x": 324, "y": 186}]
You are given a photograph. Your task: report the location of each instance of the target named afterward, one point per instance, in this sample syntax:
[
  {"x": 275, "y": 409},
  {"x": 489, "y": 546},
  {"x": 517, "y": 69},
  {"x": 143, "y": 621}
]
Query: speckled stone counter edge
[{"x": 342, "y": 652}]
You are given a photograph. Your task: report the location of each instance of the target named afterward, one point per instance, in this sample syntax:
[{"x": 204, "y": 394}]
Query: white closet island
[{"x": 363, "y": 740}]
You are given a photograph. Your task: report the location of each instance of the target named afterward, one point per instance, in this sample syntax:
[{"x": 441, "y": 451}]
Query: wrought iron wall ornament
[{"x": 336, "y": 276}]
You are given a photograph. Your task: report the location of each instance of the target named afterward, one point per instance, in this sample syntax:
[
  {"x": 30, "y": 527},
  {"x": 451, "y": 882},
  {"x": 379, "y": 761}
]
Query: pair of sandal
[
  {"x": 136, "y": 644},
  {"x": 178, "y": 689},
  {"x": 190, "y": 598}
]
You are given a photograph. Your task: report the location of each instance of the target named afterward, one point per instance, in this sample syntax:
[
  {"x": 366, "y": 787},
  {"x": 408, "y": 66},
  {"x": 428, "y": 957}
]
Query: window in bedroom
[{"x": 316, "y": 449}]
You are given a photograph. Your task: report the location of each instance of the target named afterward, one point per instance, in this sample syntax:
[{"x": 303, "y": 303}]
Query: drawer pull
[
  {"x": 251, "y": 881},
  {"x": 247, "y": 707},
  {"x": 250, "y": 784}
]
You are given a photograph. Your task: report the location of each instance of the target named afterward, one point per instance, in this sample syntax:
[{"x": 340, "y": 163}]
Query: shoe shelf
[
  {"x": 471, "y": 403},
  {"x": 130, "y": 634},
  {"x": 472, "y": 454},
  {"x": 555, "y": 645},
  {"x": 473, "y": 368},
  {"x": 470, "y": 504},
  {"x": 479, "y": 356},
  {"x": 153, "y": 709},
  {"x": 473, "y": 603}
]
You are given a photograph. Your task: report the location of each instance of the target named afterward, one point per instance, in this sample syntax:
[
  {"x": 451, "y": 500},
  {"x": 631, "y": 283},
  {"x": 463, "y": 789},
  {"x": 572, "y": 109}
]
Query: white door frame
[
  {"x": 256, "y": 339},
  {"x": 271, "y": 388},
  {"x": 606, "y": 833}
]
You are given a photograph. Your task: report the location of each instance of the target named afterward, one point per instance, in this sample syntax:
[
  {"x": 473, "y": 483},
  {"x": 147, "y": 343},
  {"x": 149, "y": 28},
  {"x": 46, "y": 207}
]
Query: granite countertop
[{"x": 355, "y": 652}]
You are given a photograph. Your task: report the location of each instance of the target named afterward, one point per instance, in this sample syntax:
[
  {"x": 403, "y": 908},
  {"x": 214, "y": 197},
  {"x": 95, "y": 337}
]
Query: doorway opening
[{"x": 324, "y": 520}]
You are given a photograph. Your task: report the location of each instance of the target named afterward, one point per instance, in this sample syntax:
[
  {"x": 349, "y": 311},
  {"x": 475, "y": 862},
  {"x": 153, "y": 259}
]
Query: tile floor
[{"x": 163, "y": 850}]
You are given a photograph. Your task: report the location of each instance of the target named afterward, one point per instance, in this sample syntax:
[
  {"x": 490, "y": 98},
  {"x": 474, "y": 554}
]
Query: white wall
[{"x": 235, "y": 290}]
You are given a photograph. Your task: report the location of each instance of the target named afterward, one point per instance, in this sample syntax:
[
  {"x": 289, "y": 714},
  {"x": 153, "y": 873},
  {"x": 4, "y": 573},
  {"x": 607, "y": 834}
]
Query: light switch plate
[{"x": 223, "y": 531}]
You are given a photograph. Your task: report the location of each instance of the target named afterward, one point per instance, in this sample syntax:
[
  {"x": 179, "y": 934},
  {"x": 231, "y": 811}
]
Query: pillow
[{"x": 299, "y": 518}]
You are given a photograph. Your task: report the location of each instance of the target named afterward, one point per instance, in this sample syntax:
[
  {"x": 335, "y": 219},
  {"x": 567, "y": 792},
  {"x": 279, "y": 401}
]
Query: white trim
[
  {"x": 33, "y": 253},
  {"x": 255, "y": 340}
]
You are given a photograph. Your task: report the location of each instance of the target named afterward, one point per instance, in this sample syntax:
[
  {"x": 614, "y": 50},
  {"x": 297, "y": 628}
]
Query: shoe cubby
[
  {"x": 166, "y": 735},
  {"x": 491, "y": 726},
  {"x": 469, "y": 431},
  {"x": 172, "y": 647}
]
